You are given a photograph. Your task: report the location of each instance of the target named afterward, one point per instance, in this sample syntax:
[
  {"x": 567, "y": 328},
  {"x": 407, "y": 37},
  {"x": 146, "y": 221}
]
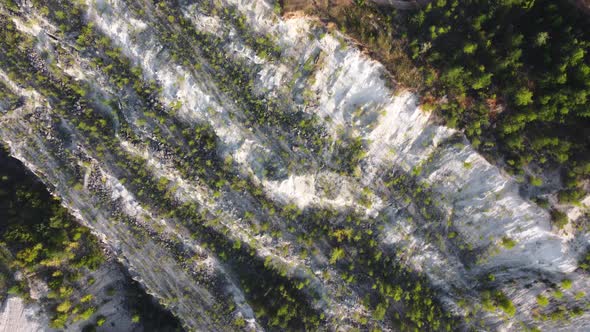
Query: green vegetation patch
[{"x": 43, "y": 238}]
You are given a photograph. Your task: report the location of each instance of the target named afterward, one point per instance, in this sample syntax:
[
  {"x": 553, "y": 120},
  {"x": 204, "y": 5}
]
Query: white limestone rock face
[
  {"x": 450, "y": 218},
  {"x": 18, "y": 316}
]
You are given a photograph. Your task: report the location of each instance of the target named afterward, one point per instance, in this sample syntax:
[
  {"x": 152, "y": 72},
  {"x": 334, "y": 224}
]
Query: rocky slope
[
  {"x": 260, "y": 173},
  {"x": 16, "y": 317}
]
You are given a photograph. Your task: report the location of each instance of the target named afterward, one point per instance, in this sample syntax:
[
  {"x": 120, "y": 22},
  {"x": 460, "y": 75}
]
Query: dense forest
[{"x": 514, "y": 75}]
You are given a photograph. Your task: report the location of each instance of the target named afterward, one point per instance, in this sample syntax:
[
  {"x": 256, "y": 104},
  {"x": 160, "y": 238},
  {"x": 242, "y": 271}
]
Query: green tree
[{"x": 523, "y": 97}]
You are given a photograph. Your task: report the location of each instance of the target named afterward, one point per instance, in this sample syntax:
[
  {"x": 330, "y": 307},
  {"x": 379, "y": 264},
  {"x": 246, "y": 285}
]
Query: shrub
[
  {"x": 585, "y": 261},
  {"x": 570, "y": 196},
  {"x": 543, "y": 301},
  {"x": 506, "y": 305},
  {"x": 87, "y": 313},
  {"x": 535, "y": 181},
  {"x": 100, "y": 320},
  {"x": 337, "y": 254},
  {"x": 86, "y": 298},
  {"x": 559, "y": 218},
  {"x": 542, "y": 202},
  {"x": 64, "y": 306},
  {"x": 508, "y": 243},
  {"x": 379, "y": 312},
  {"x": 497, "y": 299}
]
